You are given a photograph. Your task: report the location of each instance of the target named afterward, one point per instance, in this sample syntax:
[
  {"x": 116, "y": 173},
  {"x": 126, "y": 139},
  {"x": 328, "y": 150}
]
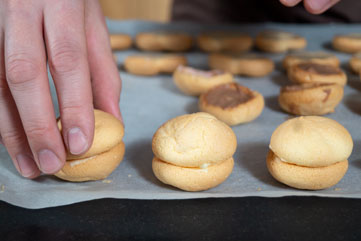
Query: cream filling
[{"x": 77, "y": 162}]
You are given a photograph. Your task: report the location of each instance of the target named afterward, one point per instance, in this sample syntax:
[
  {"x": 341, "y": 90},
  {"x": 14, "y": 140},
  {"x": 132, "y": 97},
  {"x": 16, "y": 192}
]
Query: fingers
[
  {"x": 290, "y": 3},
  {"x": 105, "y": 76},
  {"x": 319, "y": 6},
  {"x": 11, "y": 128},
  {"x": 26, "y": 75},
  {"x": 67, "y": 56}
]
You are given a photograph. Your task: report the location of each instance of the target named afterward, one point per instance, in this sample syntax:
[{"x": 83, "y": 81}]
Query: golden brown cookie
[
  {"x": 279, "y": 41},
  {"x": 310, "y": 98},
  {"x": 310, "y": 57},
  {"x": 103, "y": 156},
  {"x": 242, "y": 64},
  {"x": 195, "y": 82},
  {"x": 232, "y": 103},
  {"x": 224, "y": 42},
  {"x": 120, "y": 41},
  {"x": 309, "y": 152},
  {"x": 193, "y": 152},
  {"x": 348, "y": 43},
  {"x": 316, "y": 73},
  {"x": 153, "y": 64},
  {"x": 162, "y": 41}
]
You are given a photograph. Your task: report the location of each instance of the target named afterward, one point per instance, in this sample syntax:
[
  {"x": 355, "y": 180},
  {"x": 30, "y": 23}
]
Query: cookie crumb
[
  {"x": 107, "y": 181},
  {"x": 259, "y": 189},
  {"x": 337, "y": 189},
  {"x": 129, "y": 175},
  {"x": 2, "y": 188}
]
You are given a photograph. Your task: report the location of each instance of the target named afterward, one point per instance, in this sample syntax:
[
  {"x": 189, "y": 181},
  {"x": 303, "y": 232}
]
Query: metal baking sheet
[{"x": 147, "y": 102}]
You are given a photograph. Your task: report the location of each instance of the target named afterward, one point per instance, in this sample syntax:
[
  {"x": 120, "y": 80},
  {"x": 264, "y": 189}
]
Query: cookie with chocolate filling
[
  {"x": 316, "y": 73},
  {"x": 242, "y": 64},
  {"x": 310, "y": 98},
  {"x": 224, "y": 42},
  {"x": 310, "y": 57},
  {"x": 192, "y": 81},
  {"x": 348, "y": 43},
  {"x": 279, "y": 41},
  {"x": 232, "y": 103}
]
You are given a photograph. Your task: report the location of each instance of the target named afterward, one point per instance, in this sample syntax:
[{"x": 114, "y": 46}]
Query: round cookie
[
  {"x": 161, "y": 41},
  {"x": 316, "y": 73},
  {"x": 242, "y": 64},
  {"x": 224, "y": 42},
  {"x": 355, "y": 63},
  {"x": 191, "y": 178},
  {"x": 309, "y": 152},
  {"x": 232, "y": 103},
  {"x": 103, "y": 156},
  {"x": 310, "y": 98},
  {"x": 195, "y": 82},
  {"x": 194, "y": 140},
  {"x": 120, "y": 41},
  {"x": 310, "y": 57},
  {"x": 348, "y": 43},
  {"x": 153, "y": 64},
  {"x": 279, "y": 41}
]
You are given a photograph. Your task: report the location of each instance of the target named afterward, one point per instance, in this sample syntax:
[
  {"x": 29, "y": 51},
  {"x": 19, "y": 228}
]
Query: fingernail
[
  {"x": 318, "y": 4},
  {"x": 26, "y": 165},
  {"x": 77, "y": 141},
  {"x": 49, "y": 162}
]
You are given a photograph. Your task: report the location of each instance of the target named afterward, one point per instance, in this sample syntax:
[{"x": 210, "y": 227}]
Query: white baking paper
[{"x": 147, "y": 102}]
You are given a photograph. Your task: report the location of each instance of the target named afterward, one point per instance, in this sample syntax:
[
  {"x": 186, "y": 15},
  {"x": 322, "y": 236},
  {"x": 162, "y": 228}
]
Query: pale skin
[{"x": 72, "y": 36}]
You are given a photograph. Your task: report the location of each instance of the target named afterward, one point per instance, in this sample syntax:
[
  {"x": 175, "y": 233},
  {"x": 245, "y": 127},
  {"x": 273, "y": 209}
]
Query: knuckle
[
  {"x": 37, "y": 130},
  {"x": 12, "y": 138},
  {"x": 20, "y": 69},
  {"x": 65, "y": 57},
  {"x": 72, "y": 109}
]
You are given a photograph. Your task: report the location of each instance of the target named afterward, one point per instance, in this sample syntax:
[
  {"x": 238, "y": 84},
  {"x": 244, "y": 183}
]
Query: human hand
[
  {"x": 73, "y": 36},
  {"x": 312, "y": 6}
]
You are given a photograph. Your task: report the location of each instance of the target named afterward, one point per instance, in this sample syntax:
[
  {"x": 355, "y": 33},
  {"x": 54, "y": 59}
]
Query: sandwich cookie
[
  {"x": 153, "y": 64},
  {"x": 309, "y": 152},
  {"x": 224, "y": 42},
  {"x": 348, "y": 43},
  {"x": 316, "y": 73},
  {"x": 310, "y": 98},
  {"x": 242, "y": 64},
  {"x": 279, "y": 41},
  {"x": 103, "y": 156},
  {"x": 161, "y": 41},
  {"x": 355, "y": 63},
  {"x": 310, "y": 57},
  {"x": 120, "y": 41},
  {"x": 195, "y": 82},
  {"x": 232, "y": 103},
  {"x": 193, "y": 152}
]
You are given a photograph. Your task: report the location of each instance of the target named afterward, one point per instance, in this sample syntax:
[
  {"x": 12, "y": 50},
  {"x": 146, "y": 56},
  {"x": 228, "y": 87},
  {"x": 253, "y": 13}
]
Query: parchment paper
[{"x": 147, "y": 102}]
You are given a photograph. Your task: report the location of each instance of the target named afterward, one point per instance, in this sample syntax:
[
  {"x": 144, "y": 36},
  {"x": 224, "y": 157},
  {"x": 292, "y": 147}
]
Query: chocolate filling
[
  {"x": 300, "y": 87},
  {"x": 319, "y": 68},
  {"x": 228, "y": 95}
]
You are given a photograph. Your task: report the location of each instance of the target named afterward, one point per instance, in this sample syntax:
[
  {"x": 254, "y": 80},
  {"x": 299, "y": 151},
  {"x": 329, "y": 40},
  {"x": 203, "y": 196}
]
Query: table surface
[{"x": 251, "y": 218}]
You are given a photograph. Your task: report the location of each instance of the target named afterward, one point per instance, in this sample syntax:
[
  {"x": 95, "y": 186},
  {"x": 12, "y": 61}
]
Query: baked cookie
[
  {"x": 193, "y": 152},
  {"x": 355, "y": 63},
  {"x": 224, "y": 42},
  {"x": 153, "y": 64},
  {"x": 348, "y": 43},
  {"x": 195, "y": 82},
  {"x": 232, "y": 103},
  {"x": 162, "y": 41},
  {"x": 316, "y": 73},
  {"x": 104, "y": 155},
  {"x": 310, "y": 57},
  {"x": 279, "y": 41},
  {"x": 120, "y": 41},
  {"x": 309, "y": 152},
  {"x": 310, "y": 98},
  {"x": 242, "y": 64}
]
